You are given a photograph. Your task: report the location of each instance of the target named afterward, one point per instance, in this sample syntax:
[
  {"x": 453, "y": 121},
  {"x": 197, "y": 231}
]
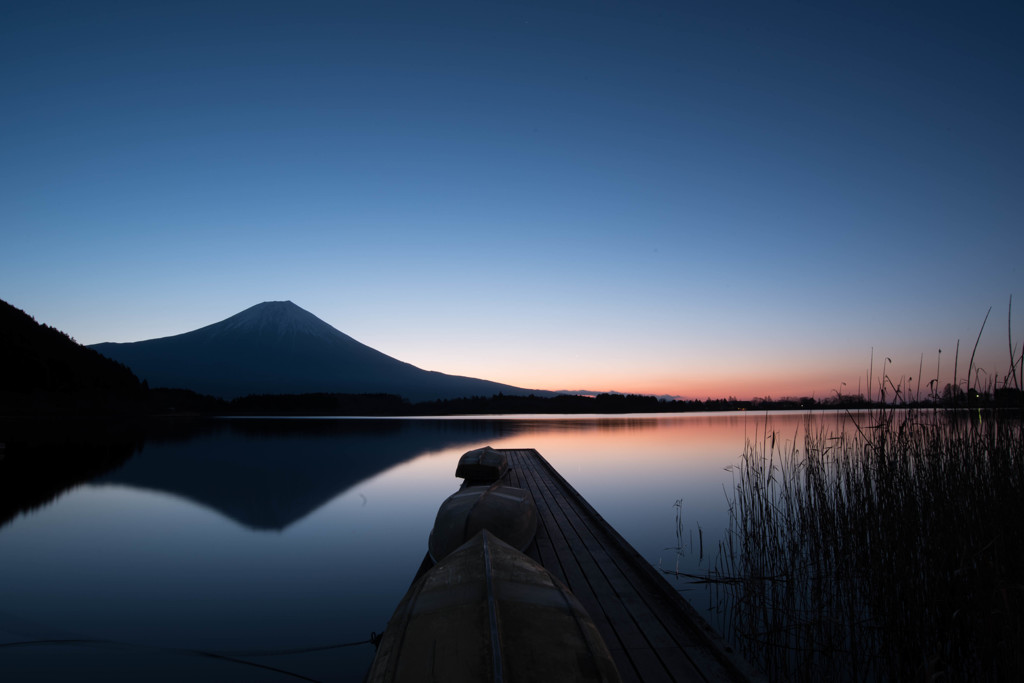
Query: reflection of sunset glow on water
[{"x": 633, "y": 469}]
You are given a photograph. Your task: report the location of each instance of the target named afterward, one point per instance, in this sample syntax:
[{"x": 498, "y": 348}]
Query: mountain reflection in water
[
  {"x": 268, "y": 474},
  {"x": 43, "y": 458}
]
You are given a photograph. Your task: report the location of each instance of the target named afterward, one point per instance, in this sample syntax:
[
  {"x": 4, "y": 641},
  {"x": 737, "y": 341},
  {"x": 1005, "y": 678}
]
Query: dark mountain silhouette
[
  {"x": 42, "y": 370},
  {"x": 278, "y": 348}
]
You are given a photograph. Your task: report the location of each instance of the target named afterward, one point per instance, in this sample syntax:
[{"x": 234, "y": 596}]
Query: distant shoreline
[
  {"x": 171, "y": 403},
  {"x": 184, "y": 403}
]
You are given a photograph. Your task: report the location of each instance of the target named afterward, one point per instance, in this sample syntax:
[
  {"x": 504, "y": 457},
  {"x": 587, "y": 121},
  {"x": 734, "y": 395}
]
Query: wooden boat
[
  {"x": 487, "y": 612},
  {"x": 506, "y": 511},
  {"x": 482, "y": 466}
]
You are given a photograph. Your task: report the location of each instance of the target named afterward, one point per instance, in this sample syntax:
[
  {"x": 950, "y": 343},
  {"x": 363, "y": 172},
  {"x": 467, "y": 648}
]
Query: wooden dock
[{"x": 652, "y": 632}]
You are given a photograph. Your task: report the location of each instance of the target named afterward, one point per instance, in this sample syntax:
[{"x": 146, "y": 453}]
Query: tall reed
[{"x": 890, "y": 548}]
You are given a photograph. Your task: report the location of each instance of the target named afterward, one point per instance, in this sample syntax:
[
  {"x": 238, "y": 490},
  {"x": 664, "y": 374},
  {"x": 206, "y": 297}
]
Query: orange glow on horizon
[{"x": 782, "y": 375}]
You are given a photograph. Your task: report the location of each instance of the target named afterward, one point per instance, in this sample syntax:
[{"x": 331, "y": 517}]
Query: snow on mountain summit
[{"x": 276, "y": 318}]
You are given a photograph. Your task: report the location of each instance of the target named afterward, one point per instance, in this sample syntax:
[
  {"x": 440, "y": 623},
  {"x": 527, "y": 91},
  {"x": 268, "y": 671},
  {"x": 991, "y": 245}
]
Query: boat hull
[
  {"x": 488, "y": 612},
  {"x": 482, "y": 466},
  {"x": 506, "y": 511}
]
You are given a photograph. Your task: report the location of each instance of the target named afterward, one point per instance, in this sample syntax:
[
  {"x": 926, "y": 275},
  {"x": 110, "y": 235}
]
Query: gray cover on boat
[
  {"x": 506, "y": 511},
  {"x": 488, "y": 612},
  {"x": 482, "y": 466}
]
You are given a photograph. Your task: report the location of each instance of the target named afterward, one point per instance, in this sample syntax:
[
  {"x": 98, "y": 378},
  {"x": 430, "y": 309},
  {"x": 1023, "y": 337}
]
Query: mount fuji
[{"x": 277, "y": 347}]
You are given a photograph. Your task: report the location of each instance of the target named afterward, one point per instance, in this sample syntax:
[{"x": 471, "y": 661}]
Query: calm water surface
[{"x": 247, "y": 538}]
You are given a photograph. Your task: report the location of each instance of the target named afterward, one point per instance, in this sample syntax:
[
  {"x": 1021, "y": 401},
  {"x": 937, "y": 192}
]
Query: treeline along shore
[
  {"x": 170, "y": 402},
  {"x": 326, "y": 404}
]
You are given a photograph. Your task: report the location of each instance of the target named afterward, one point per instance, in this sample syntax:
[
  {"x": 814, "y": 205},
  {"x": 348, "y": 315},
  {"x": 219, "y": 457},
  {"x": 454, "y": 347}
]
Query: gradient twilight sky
[{"x": 688, "y": 198}]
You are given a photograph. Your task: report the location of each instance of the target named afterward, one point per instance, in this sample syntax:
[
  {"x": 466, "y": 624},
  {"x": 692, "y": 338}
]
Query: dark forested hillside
[{"x": 44, "y": 370}]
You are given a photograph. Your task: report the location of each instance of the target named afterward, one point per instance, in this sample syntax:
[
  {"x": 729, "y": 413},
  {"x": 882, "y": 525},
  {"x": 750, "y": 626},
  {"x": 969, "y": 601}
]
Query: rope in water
[{"x": 226, "y": 655}]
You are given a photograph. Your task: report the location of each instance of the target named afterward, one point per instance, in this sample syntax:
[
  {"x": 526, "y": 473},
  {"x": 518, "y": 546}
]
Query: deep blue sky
[{"x": 685, "y": 198}]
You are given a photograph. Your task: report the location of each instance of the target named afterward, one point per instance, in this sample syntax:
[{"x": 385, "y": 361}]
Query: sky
[{"x": 698, "y": 199}]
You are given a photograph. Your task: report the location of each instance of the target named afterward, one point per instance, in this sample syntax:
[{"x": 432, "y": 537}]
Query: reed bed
[{"x": 890, "y": 547}]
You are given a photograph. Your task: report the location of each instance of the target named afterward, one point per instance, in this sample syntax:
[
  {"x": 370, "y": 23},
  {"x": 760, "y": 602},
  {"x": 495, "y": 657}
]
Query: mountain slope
[{"x": 278, "y": 348}]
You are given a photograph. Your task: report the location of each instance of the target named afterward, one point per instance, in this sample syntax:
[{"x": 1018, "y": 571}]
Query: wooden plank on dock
[{"x": 651, "y": 631}]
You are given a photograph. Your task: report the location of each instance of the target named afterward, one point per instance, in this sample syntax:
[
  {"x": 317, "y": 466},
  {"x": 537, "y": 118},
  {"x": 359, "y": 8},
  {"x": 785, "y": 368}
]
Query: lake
[{"x": 246, "y": 549}]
